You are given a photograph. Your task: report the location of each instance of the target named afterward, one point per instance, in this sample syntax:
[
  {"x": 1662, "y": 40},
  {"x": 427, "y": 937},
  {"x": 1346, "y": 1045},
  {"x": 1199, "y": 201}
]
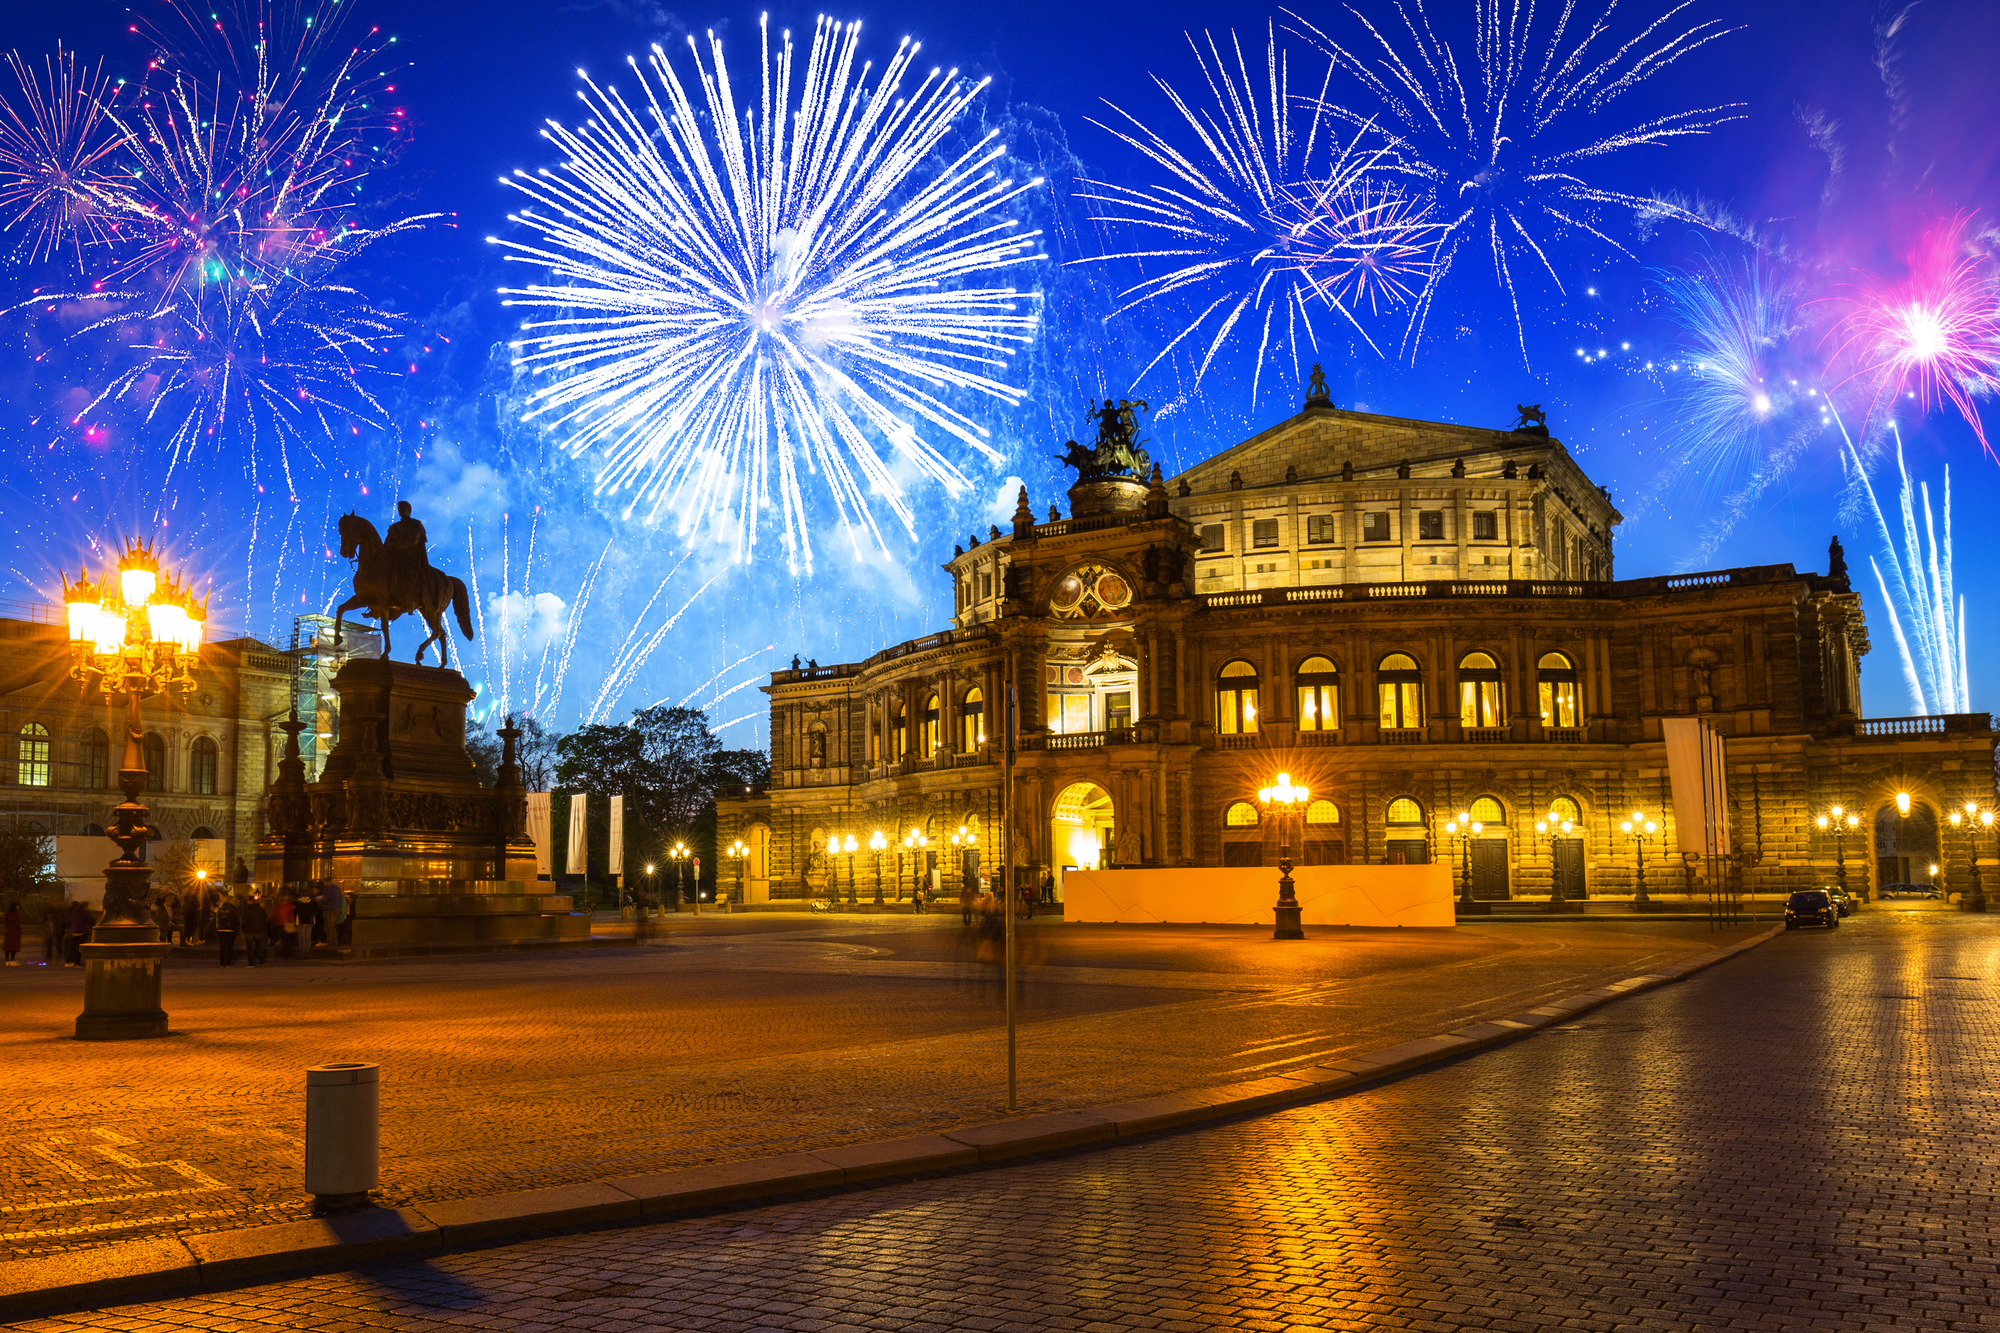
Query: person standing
[
  {"x": 226, "y": 923},
  {"x": 256, "y": 930},
  {"x": 51, "y": 933},
  {"x": 79, "y": 934},
  {"x": 240, "y": 875},
  {"x": 190, "y": 919},
  {"x": 163, "y": 919},
  {"x": 10, "y": 934},
  {"x": 287, "y": 918}
]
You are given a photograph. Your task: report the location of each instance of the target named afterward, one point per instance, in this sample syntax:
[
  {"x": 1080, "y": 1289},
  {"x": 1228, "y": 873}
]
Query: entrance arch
[
  {"x": 1082, "y": 829},
  {"x": 1906, "y": 845}
]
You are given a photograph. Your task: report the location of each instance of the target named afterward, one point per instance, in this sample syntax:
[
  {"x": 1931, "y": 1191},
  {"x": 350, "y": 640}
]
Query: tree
[
  {"x": 28, "y": 866},
  {"x": 175, "y": 867},
  {"x": 536, "y": 753},
  {"x": 484, "y": 747}
]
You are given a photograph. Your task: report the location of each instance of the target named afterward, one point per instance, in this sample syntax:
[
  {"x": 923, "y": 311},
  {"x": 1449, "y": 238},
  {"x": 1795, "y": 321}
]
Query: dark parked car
[
  {"x": 1842, "y": 899},
  {"x": 1811, "y": 907}
]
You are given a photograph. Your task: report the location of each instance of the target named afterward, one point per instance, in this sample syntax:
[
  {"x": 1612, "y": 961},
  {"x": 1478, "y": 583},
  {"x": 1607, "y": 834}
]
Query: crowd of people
[{"x": 239, "y": 916}]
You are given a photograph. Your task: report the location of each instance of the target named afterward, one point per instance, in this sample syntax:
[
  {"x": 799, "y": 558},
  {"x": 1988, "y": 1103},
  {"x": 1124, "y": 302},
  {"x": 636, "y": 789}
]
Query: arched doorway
[
  {"x": 1081, "y": 829},
  {"x": 1906, "y": 845}
]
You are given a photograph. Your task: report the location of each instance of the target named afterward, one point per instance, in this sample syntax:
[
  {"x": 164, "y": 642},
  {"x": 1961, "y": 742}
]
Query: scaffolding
[{"x": 315, "y": 661}]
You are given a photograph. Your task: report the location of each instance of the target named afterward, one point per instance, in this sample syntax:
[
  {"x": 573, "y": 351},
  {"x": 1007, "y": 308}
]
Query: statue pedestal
[
  {"x": 121, "y": 984},
  {"x": 433, "y": 861}
]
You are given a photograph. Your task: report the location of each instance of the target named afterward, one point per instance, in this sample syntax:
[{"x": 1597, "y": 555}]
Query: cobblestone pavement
[
  {"x": 1801, "y": 1138},
  {"x": 727, "y": 1037}
]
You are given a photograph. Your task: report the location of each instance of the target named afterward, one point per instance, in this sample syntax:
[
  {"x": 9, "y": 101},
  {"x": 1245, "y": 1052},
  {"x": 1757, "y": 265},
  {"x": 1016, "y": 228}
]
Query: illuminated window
[
  {"x": 1399, "y": 692},
  {"x": 973, "y": 721},
  {"x": 1556, "y": 686},
  {"x": 1070, "y": 712},
  {"x": 1488, "y": 811},
  {"x": 1565, "y": 808},
  {"x": 204, "y": 764},
  {"x": 32, "y": 767},
  {"x": 1236, "y": 700},
  {"x": 1479, "y": 699},
  {"x": 899, "y": 732},
  {"x": 1241, "y": 814},
  {"x": 1322, "y": 812},
  {"x": 1485, "y": 525},
  {"x": 1319, "y": 695},
  {"x": 933, "y": 726},
  {"x": 1404, "y": 811}
]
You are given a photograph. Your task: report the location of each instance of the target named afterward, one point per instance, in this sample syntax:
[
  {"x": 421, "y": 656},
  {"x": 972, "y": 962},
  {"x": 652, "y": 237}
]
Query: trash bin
[{"x": 343, "y": 1122}]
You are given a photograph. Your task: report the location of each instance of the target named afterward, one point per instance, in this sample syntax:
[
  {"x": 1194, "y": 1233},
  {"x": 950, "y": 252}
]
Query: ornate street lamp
[
  {"x": 1552, "y": 828},
  {"x": 738, "y": 852},
  {"x": 678, "y": 854},
  {"x": 963, "y": 842},
  {"x": 138, "y": 638},
  {"x": 876, "y": 842},
  {"x": 848, "y": 845},
  {"x": 917, "y": 841},
  {"x": 1839, "y": 823},
  {"x": 1463, "y": 826},
  {"x": 1285, "y": 801},
  {"x": 1639, "y": 828},
  {"x": 1973, "y": 818}
]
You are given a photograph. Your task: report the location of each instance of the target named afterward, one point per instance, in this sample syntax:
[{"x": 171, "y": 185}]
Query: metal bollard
[{"x": 343, "y": 1120}]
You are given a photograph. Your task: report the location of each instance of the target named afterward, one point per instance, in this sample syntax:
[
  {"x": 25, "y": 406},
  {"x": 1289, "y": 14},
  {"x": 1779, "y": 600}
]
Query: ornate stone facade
[{"x": 1415, "y": 620}]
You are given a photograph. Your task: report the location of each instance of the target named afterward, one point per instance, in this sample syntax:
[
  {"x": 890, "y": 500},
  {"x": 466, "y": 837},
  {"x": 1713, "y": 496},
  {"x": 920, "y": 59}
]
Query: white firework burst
[{"x": 740, "y": 294}]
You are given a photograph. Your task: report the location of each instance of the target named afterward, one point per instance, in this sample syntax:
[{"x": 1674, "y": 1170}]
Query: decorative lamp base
[
  {"x": 1288, "y": 926},
  {"x": 121, "y": 985}
]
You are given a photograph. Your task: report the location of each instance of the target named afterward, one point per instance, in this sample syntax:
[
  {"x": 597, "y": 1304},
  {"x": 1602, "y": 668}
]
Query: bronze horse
[{"x": 430, "y": 590}]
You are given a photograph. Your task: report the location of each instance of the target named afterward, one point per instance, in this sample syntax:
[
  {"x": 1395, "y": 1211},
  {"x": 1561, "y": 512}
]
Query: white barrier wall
[
  {"x": 81, "y": 858},
  {"x": 1245, "y": 895}
]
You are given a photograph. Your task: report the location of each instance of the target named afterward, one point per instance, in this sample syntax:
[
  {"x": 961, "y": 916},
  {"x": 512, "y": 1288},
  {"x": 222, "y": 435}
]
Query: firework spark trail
[
  {"x": 737, "y": 297},
  {"x": 1934, "y": 334},
  {"x": 690, "y": 696},
  {"x": 1271, "y": 211},
  {"x": 59, "y": 181},
  {"x": 1926, "y": 616},
  {"x": 631, "y": 659},
  {"x": 570, "y": 630},
  {"x": 1491, "y": 134}
]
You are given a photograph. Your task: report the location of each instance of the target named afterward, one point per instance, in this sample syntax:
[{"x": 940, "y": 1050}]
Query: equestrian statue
[{"x": 394, "y": 577}]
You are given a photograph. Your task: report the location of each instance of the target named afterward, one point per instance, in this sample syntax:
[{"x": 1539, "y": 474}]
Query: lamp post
[
  {"x": 1284, "y": 800},
  {"x": 963, "y": 842},
  {"x": 678, "y": 854},
  {"x": 1553, "y": 828},
  {"x": 138, "y": 638},
  {"x": 847, "y": 845},
  {"x": 738, "y": 852},
  {"x": 1972, "y": 820},
  {"x": 876, "y": 842},
  {"x": 917, "y": 841},
  {"x": 1839, "y": 823},
  {"x": 651, "y": 894},
  {"x": 1463, "y": 826},
  {"x": 1639, "y": 828}
]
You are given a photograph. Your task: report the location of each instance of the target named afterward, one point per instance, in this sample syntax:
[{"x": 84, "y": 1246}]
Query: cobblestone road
[{"x": 730, "y": 1037}]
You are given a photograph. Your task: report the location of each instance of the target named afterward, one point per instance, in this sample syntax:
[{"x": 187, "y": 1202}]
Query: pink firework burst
[{"x": 1934, "y": 334}]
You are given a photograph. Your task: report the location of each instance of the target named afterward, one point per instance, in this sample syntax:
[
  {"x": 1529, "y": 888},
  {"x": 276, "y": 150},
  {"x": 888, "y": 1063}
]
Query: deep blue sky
[{"x": 1914, "y": 142}]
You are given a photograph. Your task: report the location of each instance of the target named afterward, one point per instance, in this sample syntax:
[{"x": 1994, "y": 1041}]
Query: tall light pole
[
  {"x": 1553, "y": 828},
  {"x": 917, "y": 841},
  {"x": 1639, "y": 828},
  {"x": 1285, "y": 801},
  {"x": 1973, "y": 818},
  {"x": 876, "y": 842},
  {"x": 738, "y": 852},
  {"x": 652, "y": 895},
  {"x": 964, "y": 842},
  {"x": 678, "y": 854},
  {"x": 848, "y": 845},
  {"x": 138, "y": 638},
  {"x": 1839, "y": 823},
  {"x": 1463, "y": 826}
]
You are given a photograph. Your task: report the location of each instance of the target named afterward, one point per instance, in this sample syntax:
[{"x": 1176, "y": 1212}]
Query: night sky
[{"x": 1863, "y": 129}]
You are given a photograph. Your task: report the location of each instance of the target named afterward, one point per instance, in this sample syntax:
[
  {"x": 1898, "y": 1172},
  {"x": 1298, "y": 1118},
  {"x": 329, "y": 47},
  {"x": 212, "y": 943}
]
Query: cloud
[
  {"x": 530, "y": 622},
  {"x": 1001, "y": 510}
]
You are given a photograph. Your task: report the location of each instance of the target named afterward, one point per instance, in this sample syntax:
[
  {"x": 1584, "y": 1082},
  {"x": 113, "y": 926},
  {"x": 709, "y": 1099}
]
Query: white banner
[
  {"x": 1700, "y": 781},
  {"x": 617, "y": 866},
  {"x": 579, "y": 834},
  {"x": 538, "y": 829}
]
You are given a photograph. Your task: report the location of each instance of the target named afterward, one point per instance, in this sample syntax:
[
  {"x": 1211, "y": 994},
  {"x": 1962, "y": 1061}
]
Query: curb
[{"x": 148, "y": 1269}]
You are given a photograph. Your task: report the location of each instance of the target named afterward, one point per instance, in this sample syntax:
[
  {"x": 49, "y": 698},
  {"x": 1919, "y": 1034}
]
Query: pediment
[{"x": 1319, "y": 441}]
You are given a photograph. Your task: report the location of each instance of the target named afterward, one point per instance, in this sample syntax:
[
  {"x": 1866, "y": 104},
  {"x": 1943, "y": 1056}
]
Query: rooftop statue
[
  {"x": 395, "y": 577},
  {"x": 1532, "y": 420},
  {"x": 1117, "y": 452}
]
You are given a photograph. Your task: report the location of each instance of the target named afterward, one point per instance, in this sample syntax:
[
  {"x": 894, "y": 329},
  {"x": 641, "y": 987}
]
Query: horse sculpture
[{"x": 424, "y": 589}]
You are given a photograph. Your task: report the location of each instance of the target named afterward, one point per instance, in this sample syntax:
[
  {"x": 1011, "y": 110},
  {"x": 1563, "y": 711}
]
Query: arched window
[
  {"x": 202, "y": 834},
  {"x": 96, "y": 759},
  {"x": 1240, "y": 814},
  {"x": 1399, "y": 691},
  {"x": 933, "y": 726},
  {"x": 155, "y": 751},
  {"x": 1479, "y": 701},
  {"x": 1322, "y": 812},
  {"x": 1565, "y": 808},
  {"x": 31, "y": 768},
  {"x": 1319, "y": 695},
  {"x": 1236, "y": 700},
  {"x": 899, "y": 731},
  {"x": 1405, "y": 841},
  {"x": 1556, "y": 684},
  {"x": 973, "y": 721},
  {"x": 1488, "y": 811},
  {"x": 204, "y": 764},
  {"x": 1322, "y": 844},
  {"x": 1404, "y": 811}
]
